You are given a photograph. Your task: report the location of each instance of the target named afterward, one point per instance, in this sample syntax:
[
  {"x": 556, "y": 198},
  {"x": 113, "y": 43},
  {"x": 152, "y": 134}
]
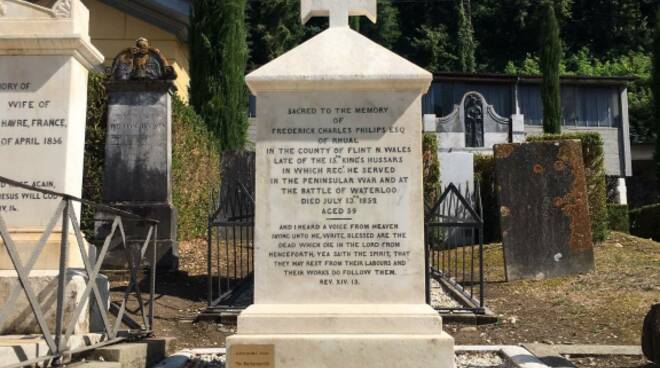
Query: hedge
[
  {"x": 431, "y": 166},
  {"x": 617, "y": 216},
  {"x": 594, "y": 167},
  {"x": 484, "y": 172},
  {"x": 195, "y": 170},
  {"x": 97, "y": 114},
  {"x": 195, "y": 163},
  {"x": 645, "y": 222}
]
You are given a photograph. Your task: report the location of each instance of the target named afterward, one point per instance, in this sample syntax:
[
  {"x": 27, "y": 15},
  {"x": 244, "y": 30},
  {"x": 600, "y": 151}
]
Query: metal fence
[
  {"x": 455, "y": 246},
  {"x": 230, "y": 253},
  {"x": 454, "y": 243},
  {"x": 59, "y": 350}
]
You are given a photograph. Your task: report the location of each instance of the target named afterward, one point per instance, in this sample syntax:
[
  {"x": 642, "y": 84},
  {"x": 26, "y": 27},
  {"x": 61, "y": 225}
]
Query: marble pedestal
[
  {"x": 349, "y": 335},
  {"x": 26, "y": 241},
  {"x": 45, "y": 56},
  {"x": 20, "y": 318}
]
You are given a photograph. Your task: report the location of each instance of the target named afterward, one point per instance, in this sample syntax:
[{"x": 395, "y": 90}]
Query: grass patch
[{"x": 605, "y": 306}]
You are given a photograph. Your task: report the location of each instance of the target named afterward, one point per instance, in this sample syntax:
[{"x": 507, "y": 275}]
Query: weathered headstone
[
  {"x": 339, "y": 254},
  {"x": 45, "y": 55},
  {"x": 138, "y": 149},
  {"x": 546, "y": 231},
  {"x": 651, "y": 334}
]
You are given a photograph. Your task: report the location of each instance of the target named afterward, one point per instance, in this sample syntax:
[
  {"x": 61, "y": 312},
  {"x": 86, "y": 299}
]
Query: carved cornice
[
  {"x": 141, "y": 62},
  {"x": 62, "y": 9}
]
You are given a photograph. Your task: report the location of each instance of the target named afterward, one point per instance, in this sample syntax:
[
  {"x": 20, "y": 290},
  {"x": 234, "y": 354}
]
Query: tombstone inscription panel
[
  {"x": 343, "y": 219},
  {"x": 40, "y": 136}
]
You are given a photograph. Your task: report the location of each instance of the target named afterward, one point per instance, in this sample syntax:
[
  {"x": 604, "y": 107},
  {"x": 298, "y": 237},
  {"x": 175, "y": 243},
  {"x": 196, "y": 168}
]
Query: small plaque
[{"x": 252, "y": 356}]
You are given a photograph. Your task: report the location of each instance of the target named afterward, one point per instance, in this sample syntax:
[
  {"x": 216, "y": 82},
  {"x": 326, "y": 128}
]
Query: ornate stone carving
[
  {"x": 62, "y": 9},
  {"x": 141, "y": 62},
  {"x": 474, "y": 121}
]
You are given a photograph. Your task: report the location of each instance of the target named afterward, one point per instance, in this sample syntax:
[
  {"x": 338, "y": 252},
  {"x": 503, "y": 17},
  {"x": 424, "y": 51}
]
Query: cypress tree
[
  {"x": 551, "y": 54},
  {"x": 656, "y": 94},
  {"x": 466, "y": 44},
  {"x": 218, "y": 51},
  {"x": 203, "y": 56}
]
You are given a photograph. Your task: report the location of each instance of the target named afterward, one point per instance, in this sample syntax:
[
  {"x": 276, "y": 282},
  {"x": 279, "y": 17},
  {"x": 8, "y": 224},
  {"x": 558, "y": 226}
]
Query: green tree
[
  {"x": 551, "y": 55},
  {"x": 433, "y": 48},
  {"x": 204, "y": 54},
  {"x": 610, "y": 27},
  {"x": 466, "y": 44},
  {"x": 386, "y": 31},
  {"x": 274, "y": 28},
  {"x": 656, "y": 94},
  {"x": 218, "y": 57}
]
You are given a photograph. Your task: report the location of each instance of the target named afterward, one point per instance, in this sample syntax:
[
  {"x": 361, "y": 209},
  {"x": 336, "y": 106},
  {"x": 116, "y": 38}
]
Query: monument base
[
  {"x": 20, "y": 318},
  {"x": 351, "y": 351},
  {"x": 347, "y": 336},
  {"x": 26, "y": 241},
  {"x": 167, "y": 252}
]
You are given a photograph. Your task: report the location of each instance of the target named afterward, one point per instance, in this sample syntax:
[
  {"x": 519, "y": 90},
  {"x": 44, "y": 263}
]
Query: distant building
[
  {"x": 116, "y": 24},
  {"x": 472, "y": 112}
]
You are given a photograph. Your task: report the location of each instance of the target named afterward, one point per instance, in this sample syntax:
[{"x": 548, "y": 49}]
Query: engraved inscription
[
  {"x": 252, "y": 356},
  {"x": 343, "y": 173}
]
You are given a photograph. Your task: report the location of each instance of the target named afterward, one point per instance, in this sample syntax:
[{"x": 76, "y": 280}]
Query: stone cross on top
[{"x": 337, "y": 10}]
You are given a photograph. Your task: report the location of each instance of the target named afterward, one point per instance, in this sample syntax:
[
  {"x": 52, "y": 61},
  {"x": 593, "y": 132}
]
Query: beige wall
[{"x": 113, "y": 30}]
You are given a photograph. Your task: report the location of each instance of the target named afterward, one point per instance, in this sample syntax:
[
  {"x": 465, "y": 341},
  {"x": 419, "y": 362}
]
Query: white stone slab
[
  {"x": 456, "y": 167},
  {"x": 20, "y": 318},
  {"x": 355, "y": 235},
  {"x": 45, "y": 55},
  {"x": 42, "y": 134},
  {"x": 338, "y": 58}
]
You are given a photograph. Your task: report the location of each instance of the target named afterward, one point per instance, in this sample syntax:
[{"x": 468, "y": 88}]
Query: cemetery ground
[{"x": 603, "y": 307}]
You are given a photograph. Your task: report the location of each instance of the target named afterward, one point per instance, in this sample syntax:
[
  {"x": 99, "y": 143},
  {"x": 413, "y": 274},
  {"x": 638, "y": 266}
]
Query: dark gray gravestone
[
  {"x": 651, "y": 334},
  {"x": 546, "y": 230},
  {"x": 138, "y": 150}
]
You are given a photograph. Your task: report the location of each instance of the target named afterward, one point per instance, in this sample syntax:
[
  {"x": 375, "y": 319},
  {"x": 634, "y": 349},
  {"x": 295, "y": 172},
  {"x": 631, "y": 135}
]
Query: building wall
[
  {"x": 612, "y": 148},
  {"x": 112, "y": 30}
]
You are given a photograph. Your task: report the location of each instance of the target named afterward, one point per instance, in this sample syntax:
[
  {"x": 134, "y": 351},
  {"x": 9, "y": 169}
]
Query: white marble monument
[
  {"x": 45, "y": 55},
  {"x": 339, "y": 258}
]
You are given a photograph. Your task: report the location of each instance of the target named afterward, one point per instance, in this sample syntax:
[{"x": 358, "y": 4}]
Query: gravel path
[
  {"x": 480, "y": 360},
  {"x": 440, "y": 298},
  {"x": 463, "y": 360}
]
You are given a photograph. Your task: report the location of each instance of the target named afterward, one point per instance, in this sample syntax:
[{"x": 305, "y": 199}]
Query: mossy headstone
[{"x": 544, "y": 211}]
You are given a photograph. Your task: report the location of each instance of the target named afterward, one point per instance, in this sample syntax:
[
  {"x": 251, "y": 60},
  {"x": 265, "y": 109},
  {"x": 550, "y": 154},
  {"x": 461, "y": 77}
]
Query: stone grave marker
[
  {"x": 45, "y": 55},
  {"x": 544, "y": 212},
  {"x": 138, "y": 149},
  {"x": 339, "y": 248}
]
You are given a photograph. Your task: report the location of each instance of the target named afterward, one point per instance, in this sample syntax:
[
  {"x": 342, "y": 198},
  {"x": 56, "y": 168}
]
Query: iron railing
[
  {"x": 455, "y": 246},
  {"x": 454, "y": 243},
  {"x": 59, "y": 350},
  {"x": 230, "y": 237}
]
